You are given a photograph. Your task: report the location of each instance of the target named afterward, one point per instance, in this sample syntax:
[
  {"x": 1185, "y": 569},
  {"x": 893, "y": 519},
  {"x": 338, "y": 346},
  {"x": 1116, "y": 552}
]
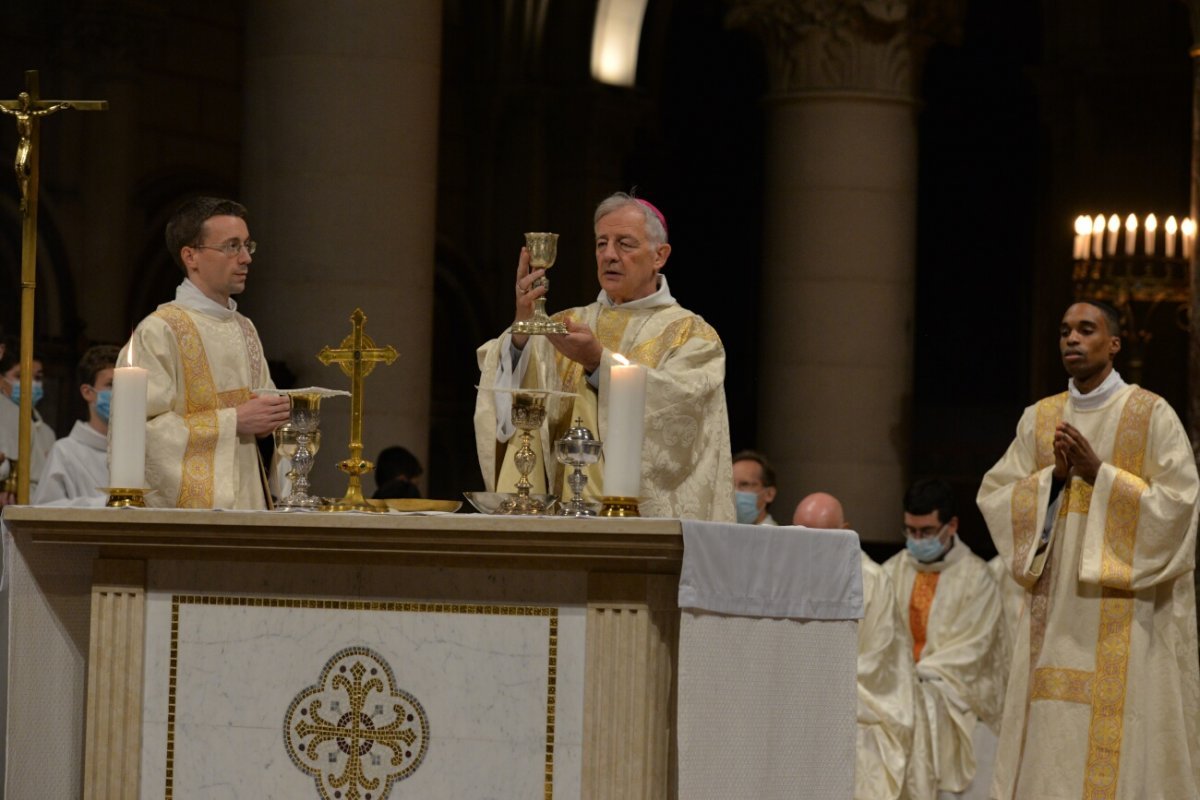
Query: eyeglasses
[
  {"x": 230, "y": 249},
  {"x": 923, "y": 533}
]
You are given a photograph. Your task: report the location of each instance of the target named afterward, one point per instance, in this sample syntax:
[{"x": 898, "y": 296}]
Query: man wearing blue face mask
[
  {"x": 41, "y": 434},
  {"x": 754, "y": 488},
  {"x": 77, "y": 470},
  {"x": 960, "y": 647}
]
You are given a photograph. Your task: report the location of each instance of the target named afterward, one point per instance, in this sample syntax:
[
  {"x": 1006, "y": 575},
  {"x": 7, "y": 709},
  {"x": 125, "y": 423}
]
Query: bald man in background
[{"x": 890, "y": 762}]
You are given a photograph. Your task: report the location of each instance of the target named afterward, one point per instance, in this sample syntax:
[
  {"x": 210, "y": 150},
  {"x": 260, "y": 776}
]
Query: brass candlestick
[
  {"x": 125, "y": 498},
  {"x": 528, "y": 414},
  {"x": 543, "y": 250}
]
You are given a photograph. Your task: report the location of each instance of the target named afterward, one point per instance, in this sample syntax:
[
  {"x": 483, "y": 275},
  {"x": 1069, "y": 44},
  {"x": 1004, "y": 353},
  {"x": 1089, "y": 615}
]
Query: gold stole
[
  {"x": 1104, "y": 688},
  {"x": 919, "y": 603},
  {"x": 202, "y": 401}
]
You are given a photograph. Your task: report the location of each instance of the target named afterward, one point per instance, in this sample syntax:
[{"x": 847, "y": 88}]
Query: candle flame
[
  {"x": 129, "y": 354},
  {"x": 1131, "y": 223},
  {"x": 1187, "y": 227},
  {"x": 1098, "y": 224},
  {"x": 624, "y": 361},
  {"x": 1083, "y": 226},
  {"x": 1172, "y": 225},
  {"x": 1114, "y": 223},
  {"x": 1151, "y": 223}
]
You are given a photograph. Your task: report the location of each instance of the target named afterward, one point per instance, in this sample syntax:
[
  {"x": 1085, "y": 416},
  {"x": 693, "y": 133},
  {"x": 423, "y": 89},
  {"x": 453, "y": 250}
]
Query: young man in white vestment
[
  {"x": 206, "y": 366},
  {"x": 686, "y": 468},
  {"x": 41, "y": 435},
  {"x": 889, "y": 763},
  {"x": 76, "y": 472},
  {"x": 959, "y": 644},
  {"x": 1093, "y": 509}
]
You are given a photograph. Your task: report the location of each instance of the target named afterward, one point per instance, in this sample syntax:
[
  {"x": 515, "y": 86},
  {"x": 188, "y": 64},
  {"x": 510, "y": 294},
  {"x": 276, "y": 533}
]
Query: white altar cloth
[{"x": 767, "y": 656}]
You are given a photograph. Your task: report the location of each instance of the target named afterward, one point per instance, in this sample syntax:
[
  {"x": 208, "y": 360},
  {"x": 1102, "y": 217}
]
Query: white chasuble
[
  {"x": 686, "y": 463},
  {"x": 1104, "y": 697},
  {"x": 203, "y": 363},
  {"x": 956, "y": 626},
  {"x": 886, "y": 691}
]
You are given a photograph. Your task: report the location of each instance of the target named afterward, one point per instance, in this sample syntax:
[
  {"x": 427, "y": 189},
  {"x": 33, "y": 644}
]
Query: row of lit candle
[{"x": 1096, "y": 237}]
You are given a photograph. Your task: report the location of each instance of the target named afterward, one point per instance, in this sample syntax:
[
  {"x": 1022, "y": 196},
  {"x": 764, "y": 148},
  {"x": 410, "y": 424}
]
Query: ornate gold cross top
[
  {"x": 28, "y": 109},
  {"x": 357, "y": 356}
]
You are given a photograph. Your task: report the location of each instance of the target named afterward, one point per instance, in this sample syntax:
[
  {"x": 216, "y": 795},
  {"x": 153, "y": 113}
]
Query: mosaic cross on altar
[{"x": 357, "y": 356}]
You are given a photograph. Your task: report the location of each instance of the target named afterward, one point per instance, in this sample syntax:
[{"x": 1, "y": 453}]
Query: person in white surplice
[
  {"x": 77, "y": 470},
  {"x": 889, "y": 763},
  {"x": 959, "y": 641},
  {"x": 686, "y": 467},
  {"x": 1093, "y": 509},
  {"x": 206, "y": 364},
  {"x": 41, "y": 435}
]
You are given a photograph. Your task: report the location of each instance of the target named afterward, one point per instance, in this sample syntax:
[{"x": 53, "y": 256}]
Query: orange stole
[{"x": 924, "y": 586}]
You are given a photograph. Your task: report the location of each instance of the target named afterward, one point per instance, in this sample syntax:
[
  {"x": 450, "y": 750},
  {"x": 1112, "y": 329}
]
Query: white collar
[
  {"x": 1098, "y": 396},
  {"x": 661, "y": 297},
  {"x": 88, "y": 436},
  {"x": 189, "y": 295}
]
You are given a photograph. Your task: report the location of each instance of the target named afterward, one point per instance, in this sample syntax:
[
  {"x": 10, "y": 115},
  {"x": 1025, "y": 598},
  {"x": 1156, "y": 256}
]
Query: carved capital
[{"x": 869, "y": 46}]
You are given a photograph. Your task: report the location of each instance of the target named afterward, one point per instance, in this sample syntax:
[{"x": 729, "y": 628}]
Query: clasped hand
[
  {"x": 262, "y": 414},
  {"x": 1073, "y": 455}
]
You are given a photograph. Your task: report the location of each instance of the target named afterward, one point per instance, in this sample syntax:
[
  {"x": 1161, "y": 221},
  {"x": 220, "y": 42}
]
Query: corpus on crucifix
[
  {"x": 28, "y": 110},
  {"x": 357, "y": 356}
]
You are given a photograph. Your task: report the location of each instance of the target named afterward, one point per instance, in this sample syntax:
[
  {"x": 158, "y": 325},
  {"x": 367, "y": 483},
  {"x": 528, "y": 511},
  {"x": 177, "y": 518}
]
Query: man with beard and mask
[
  {"x": 958, "y": 637},
  {"x": 77, "y": 470},
  {"x": 1093, "y": 509},
  {"x": 753, "y": 488},
  {"x": 686, "y": 470},
  {"x": 41, "y": 435}
]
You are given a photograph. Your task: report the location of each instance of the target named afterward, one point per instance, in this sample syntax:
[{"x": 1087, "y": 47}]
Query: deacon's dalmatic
[
  {"x": 191, "y": 425},
  {"x": 1104, "y": 695}
]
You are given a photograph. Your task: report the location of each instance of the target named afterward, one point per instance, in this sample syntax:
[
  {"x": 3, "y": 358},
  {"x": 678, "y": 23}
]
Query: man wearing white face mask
[
  {"x": 754, "y": 488},
  {"x": 41, "y": 435},
  {"x": 77, "y": 469},
  {"x": 960, "y": 648}
]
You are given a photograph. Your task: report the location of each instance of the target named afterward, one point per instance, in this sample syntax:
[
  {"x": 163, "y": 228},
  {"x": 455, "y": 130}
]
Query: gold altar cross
[
  {"x": 28, "y": 109},
  {"x": 357, "y": 357}
]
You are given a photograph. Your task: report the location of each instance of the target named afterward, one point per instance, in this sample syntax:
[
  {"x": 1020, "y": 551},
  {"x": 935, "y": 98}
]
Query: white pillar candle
[
  {"x": 1130, "y": 234},
  {"x": 1169, "y": 236},
  {"x": 127, "y": 427},
  {"x": 1187, "y": 230},
  {"x": 1151, "y": 232},
  {"x": 1114, "y": 225},
  {"x": 623, "y": 437},
  {"x": 1098, "y": 236},
  {"x": 1083, "y": 231}
]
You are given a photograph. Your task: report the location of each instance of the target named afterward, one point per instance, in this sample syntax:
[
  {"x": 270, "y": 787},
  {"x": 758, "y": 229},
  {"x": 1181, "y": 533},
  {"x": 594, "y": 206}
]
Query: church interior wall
[{"x": 1042, "y": 108}]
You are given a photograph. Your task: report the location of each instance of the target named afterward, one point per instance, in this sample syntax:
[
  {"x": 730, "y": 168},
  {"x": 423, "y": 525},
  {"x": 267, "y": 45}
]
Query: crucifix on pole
[
  {"x": 28, "y": 110},
  {"x": 357, "y": 356}
]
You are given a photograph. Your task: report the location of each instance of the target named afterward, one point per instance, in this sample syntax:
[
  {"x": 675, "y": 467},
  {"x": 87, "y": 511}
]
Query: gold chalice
[
  {"x": 543, "y": 249},
  {"x": 528, "y": 414},
  {"x": 299, "y": 439}
]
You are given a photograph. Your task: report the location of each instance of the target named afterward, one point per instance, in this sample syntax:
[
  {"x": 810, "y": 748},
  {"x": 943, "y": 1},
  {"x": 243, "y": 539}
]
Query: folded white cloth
[{"x": 763, "y": 571}]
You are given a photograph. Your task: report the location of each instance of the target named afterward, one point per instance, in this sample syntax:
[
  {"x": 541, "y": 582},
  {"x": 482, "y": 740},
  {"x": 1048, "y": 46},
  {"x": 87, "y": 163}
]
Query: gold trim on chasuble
[
  {"x": 919, "y": 603},
  {"x": 201, "y": 400},
  {"x": 1104, "y": 688}
]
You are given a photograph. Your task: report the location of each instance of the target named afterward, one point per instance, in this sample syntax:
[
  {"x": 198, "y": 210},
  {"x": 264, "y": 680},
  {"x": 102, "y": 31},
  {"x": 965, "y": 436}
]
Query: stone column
[
  {"x": 340, "y": 177},
  {"x": 836, "y": 315}
]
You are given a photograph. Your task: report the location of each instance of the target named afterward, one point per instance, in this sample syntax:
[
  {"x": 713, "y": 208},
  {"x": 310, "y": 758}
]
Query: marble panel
[{"x": 231, "y": 679}]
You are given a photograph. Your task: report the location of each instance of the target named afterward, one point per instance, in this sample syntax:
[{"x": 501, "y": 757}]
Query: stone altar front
[{"x": 212, "y": 654}]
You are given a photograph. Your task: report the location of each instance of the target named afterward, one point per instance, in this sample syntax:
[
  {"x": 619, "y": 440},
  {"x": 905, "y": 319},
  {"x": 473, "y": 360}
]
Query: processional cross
[
  {"x": 28, "y": 109},
  {"x": 357, "y": 356}
]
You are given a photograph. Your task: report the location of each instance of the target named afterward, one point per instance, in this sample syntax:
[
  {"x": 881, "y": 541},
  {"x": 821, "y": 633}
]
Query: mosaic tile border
[{"x": 550, "y": 612}]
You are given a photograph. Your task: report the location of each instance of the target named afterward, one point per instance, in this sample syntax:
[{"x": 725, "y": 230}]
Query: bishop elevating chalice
[
  {"x": 543, "y": 249},
  {"x": 299, "y": 440},
  {"x": 528, "y": 413}
]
